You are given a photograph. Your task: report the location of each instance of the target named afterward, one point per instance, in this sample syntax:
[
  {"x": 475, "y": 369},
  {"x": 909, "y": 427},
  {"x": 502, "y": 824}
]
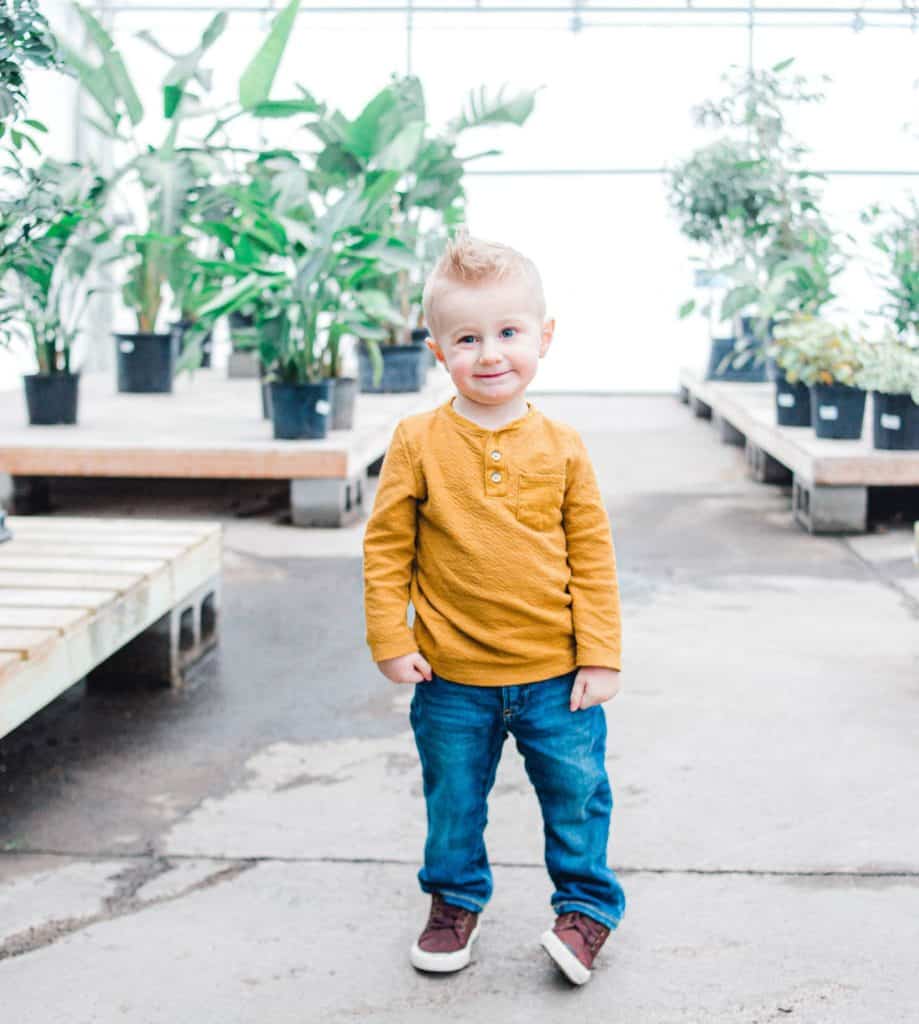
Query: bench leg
[
  {"x": 830, "y": 509},
  {"x": 31, "y": 495},
  {"x": 683, "y": 394},
  {"x": 327, "y": 501},
  {"x": 764, "y": 468},
  {"x": 699, "y": 409},
  {"x": 728, "y": 433},
  {"x": 167, "y": 648}
]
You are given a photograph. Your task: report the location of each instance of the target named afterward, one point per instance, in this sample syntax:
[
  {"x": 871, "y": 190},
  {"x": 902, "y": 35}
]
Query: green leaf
[
  {"x": 783, "y": 64},
  {"x": 284, "y": 108},
  {"x": 256, "y": 81},
  {"x": 686, "y": 309}
]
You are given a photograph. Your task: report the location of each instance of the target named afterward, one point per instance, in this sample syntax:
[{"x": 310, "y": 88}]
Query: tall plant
[
  {"x": 391, "y": 139},
  {"x": 51, "y": 237},
  {"x": 171, "y": 177},
  {"x": 303, "y": 276},
  {"x": 749, "y": 200},
  {"x": 897, "y": 238}
]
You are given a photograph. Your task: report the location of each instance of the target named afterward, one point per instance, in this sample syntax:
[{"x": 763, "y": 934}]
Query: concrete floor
[{"x": 245, "y": 850}]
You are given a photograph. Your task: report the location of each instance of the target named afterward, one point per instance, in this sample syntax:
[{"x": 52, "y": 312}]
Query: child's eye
[
  {"x": 467, "y": 337},
  {"x": 513, "y": 330}
]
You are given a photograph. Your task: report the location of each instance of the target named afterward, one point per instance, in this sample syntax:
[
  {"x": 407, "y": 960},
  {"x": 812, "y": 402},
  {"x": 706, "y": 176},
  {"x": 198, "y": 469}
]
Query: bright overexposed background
[{"x": 580, "y": 187}]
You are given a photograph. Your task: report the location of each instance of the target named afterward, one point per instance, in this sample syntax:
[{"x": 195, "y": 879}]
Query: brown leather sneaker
[
  {"x": 573, "y": 943},
  {"x": 446, "y": 942}
]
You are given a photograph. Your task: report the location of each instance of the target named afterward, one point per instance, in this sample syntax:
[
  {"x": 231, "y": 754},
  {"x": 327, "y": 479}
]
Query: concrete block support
[
  {"x": 830, "y": 509},
  {"x": 683, "y": 394},
  {"x": 31, "y": 495},
  {"x": 328, "y": 501},
  {"x": 165, "y": 650},
  {"x": 699, "y": 409},
  {"x": 764, "y": 468},
  {"x": 728, "y": 433}
]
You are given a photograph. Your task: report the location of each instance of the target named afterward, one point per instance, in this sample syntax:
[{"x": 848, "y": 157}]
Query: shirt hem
[{"x": 494, "y": 675}]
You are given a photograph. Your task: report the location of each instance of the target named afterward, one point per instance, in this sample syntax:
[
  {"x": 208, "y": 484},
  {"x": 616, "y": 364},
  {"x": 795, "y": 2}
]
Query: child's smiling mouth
[{"x": 491, "y": 376}]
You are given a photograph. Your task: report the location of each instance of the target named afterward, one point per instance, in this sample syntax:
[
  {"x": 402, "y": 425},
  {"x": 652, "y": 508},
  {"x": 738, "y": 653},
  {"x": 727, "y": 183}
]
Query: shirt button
[
  {"x": 496, "y": 455},
  {"x": 496, "y": 477}
]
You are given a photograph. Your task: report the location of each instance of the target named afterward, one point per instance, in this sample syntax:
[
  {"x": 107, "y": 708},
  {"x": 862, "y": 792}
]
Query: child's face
[{"x": 490, "y": 337}]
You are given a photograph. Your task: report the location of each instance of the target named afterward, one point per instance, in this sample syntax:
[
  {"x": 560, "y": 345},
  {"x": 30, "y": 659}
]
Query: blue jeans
[{"x": 460, "y": 731}]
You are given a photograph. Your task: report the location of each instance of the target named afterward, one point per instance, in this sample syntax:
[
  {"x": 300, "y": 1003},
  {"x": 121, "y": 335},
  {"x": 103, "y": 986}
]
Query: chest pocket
[{"x": 539, "y": 499}]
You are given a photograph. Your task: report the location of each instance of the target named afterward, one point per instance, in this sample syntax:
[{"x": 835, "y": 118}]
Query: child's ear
[
  {"x": 548, "y": 332},
  {"x": 435, "y": 348}
]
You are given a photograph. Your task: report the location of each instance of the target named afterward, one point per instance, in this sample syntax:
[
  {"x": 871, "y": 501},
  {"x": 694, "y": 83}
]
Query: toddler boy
[{"x": 489, "y": 519}]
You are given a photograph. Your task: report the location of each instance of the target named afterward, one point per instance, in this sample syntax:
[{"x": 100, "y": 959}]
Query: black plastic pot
[
  {"x": 404, "y": 368},
  {"x": 751, "y": 372},
  {"x": 419, "y": 337},
  {"x": 300, "y": 411},
  {"x": 51, "y": 397},
  {"x": 837, "y": 411},
  {"x": 896, "y": 422},
  {"x": 344, "y": 391},
  {"x": 180, "y": 329},
  {"x": 146, "y": 362},
  {"x": 265, "y": 389},
  {"x": 792, "y": 402}
]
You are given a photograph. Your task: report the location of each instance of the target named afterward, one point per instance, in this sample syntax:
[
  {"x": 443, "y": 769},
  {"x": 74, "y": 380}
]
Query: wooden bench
[
  {"x": 210, "y": 427},
  {"x": 830, "y": 479},
  {"x": 104, "y": 598}
]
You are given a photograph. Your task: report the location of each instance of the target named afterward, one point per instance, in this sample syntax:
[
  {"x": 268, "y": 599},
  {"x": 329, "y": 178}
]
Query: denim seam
[
  {"x": 462, "y": 896},
  {"x": 563, "y": 907}
]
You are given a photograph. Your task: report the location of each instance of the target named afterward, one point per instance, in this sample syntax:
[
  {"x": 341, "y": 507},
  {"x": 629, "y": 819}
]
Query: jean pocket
[{"x": 539, "y": 499}]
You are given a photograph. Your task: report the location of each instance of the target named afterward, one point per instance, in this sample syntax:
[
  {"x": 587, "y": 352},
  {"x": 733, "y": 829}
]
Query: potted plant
[
  {"x": 827, "y": 359},
  {"x": 51, "y": 238},
  {"x": 389, "y": 140},
  {"x": 304, "y": 288},
  {"x": 166, "y": 175},
  {"x": 890, "y": 370},
  {"x": 739, "y": 196}
]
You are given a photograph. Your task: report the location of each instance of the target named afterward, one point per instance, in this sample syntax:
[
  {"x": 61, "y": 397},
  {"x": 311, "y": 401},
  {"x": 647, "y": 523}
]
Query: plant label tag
[
  {"x": 785, "y": 399},
  {"x": 323, "y": 407},
  {"x": 889, "y": 421},
  {"x": 829, "y": 412},
  {"x": 126, "y": 346}
]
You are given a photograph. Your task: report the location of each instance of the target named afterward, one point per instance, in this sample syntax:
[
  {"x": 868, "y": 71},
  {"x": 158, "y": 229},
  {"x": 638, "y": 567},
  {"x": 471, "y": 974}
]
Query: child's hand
[
  {"x": 593, "y": 685},
  {"x": 407, "y": 668}
]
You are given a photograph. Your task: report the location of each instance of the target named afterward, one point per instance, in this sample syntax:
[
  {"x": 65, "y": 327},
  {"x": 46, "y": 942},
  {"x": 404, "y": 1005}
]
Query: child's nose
[{"x": 489, "y": 352}]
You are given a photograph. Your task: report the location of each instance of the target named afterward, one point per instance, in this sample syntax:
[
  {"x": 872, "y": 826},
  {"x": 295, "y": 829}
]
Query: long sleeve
[
  {"x": 389, "y": 553},
  {"x": 593, "y": 585}
]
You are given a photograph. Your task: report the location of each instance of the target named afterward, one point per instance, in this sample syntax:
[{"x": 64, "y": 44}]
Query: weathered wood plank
[
  {"x": 21, "y": 578},
  {"x": 106, "y": 524},
  {"x": 27, "y": 642},
  {"x": 60, "y": 619},
  {"x": 18, "y": 597},
  {"x": 74, "y": 563},
  {"x": 114, "y": 539}
]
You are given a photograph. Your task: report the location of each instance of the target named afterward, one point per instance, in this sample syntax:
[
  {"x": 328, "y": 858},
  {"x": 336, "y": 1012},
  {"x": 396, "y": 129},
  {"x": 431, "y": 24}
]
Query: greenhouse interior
[{"x": 476, "y": 343}]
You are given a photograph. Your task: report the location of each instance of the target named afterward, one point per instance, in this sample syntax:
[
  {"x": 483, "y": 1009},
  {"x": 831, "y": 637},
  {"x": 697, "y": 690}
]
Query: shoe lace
[
  {"x": 589, "y": 929},
  {"x": 445, "y": 916}
]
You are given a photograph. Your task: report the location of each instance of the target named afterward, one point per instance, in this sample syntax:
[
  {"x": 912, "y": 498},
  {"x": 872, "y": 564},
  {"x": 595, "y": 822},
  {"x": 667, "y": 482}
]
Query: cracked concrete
[{"x": 232, "y": 852}]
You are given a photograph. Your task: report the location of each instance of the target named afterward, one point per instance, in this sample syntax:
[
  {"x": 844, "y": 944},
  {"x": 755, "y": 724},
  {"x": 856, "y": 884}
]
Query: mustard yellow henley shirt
[{"x": 501, "y": 541}]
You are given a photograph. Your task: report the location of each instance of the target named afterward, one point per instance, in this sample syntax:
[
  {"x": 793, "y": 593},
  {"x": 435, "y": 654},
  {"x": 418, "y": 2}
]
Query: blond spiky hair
[{"x": 468, "y": 260}]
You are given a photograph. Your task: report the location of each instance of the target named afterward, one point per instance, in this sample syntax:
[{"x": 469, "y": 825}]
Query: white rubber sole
[
  {"x": 564, "y": 959},
  {"x": 444, "y": 963}
]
